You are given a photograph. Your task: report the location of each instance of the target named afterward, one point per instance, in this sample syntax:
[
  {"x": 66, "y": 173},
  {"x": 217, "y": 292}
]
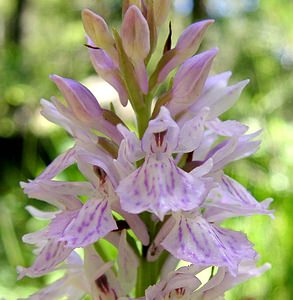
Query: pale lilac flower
[
  {"x": 187, "y": 45},
  {"x": 183, "y": 283},
  {"x": 200, "y": 242},
  {"x": 89, "y": 277},
  {"x": 159, "y": 186},
  {"x": 72, "y": 227},
  {"x": 159, "y": 194},
  {"x": 83, "y": 112},
  {"x": 231, "y": 199}
]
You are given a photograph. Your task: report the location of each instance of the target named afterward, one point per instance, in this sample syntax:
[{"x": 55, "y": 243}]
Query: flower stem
[{"x": 147, "y": 275}]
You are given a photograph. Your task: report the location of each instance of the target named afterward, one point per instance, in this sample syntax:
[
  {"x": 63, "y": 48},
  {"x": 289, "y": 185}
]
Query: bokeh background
[{"x": 255, "y": 38}]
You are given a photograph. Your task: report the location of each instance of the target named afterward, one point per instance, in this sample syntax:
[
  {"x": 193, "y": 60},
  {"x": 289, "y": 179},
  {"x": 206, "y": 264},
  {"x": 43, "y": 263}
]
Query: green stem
[
  {"x": 147, "y": 275},
  {"x": 148, "y": 272}
]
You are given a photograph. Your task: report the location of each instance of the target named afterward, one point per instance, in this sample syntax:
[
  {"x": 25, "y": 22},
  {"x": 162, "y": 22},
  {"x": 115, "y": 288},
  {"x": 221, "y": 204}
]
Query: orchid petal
[
  {"x": 127, "y": 264},
  {"x": 162, "y": 123},
  {"x": 50, "y": 256},
  {"x": 192, "y": 132},
  {"x": 227, "y": 100},
  {"x": 214, "y": 89},
  {"x": 216, "y": 81},
  {"x": 133, "y": 150},
  {"x": 203, "y": 169},
  {"x": 107, "y": 69},
  {"x": 59, "y": 164},
  {"x": 155, "y": 249},
  {"x": 83, "y": 104},
  {"x": 189, "y": 81},
  {"x": 57, "y": 290},
  {"x": 247, "y": 270},
  {"x": 207, "y": 141},
  {"x": 37, "y": 213},
  {"x": 231, "y": 199},
  {"x": 233, "y": 149},
  {"x": 44, "y": 190},
  {"x": 159, "y": 187},
  {"x": 197, "y": 241},
  {"x": 85, "y": 107},
  {"x": 93, "y": 221},
  {"x": 178, "y": 285},
  {"x": 88, "y": 159},
  {"x": 135, "y": 223},
  {"x": 102, "y": 280},
  {"x": 51, "y": 113},
  {"x": 38, "y": 238},
  {"x": 227, "y": 128}
]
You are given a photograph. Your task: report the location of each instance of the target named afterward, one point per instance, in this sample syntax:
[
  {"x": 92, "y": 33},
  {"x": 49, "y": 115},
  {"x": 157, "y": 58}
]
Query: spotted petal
[
  {"x": 227, "y": 128},
  {"x": 192, "y": 132},
  {"x": 231, "y": 199},
  {"x": 50, "y": 256},
  {"x": 59, "y": 164},
  {"x": 159, "y": 186},
  {"x": 199, "y": 242},
  {"x": 178, "y": 285},
  {"x": 93, "y": 221},
  {"x": 224, "y": 281},
  {"x": 51, "y": 192},
  {"x": 60, "y": 289}
]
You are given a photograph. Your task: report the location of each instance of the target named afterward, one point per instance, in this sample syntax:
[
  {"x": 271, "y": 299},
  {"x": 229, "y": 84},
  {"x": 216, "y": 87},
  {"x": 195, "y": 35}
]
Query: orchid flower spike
[{"x": 154, "y": 191}]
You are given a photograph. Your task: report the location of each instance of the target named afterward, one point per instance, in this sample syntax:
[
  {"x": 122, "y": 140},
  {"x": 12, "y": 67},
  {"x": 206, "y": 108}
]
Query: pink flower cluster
[{"x": 158, "y": 196}]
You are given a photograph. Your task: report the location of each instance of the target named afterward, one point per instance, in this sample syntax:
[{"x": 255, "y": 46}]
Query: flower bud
[
  {"x": 135, "y": 34},
  {"x": 127, "y": 3},
  {"x": 81, "y": 101},
  {"x": 192, "y": 36},
  {"x": 187, "y": 44},
  {"x": 97, "y": 29},
  {"x": 161, "y": 11},
  {"x": 189, "y": 81},
  {"x": 84, "y": 107},
  {"x": 107, "y": 69}
]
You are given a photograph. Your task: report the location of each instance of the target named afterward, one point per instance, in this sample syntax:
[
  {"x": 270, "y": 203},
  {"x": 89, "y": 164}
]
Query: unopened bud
[
  {"x": 192, "y": 36},
  {"x": 81, "y": 101},
  {"x": 135, "y": 34},
  {"x": 127, "y": 3},
  {"x": 189, "y": 81},
  {"x": 107, "y": 69},
  {"x": 187, "y": 45},
  {"x": 161, "y": 11},
  {"x": 85, "y": 107},
  {"x": 97, "y": 29}
]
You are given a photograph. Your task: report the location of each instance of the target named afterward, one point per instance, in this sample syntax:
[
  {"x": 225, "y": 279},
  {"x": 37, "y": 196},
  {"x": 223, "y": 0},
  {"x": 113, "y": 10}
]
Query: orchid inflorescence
[{"x": 158, "y": 195}]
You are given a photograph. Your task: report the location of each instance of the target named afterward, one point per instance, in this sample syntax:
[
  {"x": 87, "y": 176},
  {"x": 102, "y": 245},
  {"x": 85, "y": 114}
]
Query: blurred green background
[{"x": 255, "y": 38}]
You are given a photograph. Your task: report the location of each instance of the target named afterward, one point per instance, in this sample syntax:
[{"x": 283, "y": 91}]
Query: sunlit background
[{"x": 255, "y": 38}]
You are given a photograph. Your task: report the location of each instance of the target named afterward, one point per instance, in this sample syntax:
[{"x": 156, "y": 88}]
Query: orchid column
[{"x": 159, "y": 194}]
